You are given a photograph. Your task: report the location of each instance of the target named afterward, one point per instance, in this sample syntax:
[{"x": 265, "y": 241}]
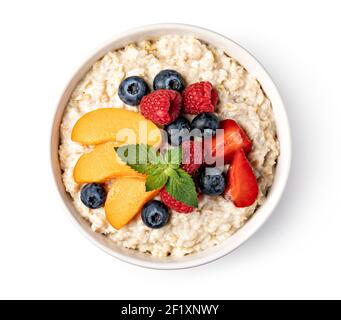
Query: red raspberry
[
  {"x": 200, "y": 97},
  {"x": 162, "y": 106},
  {"x": 174, "y": 204},
  {"x": 192, "y": 155}
]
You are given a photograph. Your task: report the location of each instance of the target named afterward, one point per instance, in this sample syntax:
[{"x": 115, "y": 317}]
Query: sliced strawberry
[
  {"x": 242, "y": 186},
  {"x": 234, "y": 138}
]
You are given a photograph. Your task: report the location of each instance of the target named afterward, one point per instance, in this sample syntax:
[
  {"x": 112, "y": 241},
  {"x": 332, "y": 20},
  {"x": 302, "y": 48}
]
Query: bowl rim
[{"x": 255, "y": 222}]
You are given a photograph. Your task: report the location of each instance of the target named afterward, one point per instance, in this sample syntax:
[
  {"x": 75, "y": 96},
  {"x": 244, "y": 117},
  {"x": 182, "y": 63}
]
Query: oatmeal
[{"x": 240, "y": 98}]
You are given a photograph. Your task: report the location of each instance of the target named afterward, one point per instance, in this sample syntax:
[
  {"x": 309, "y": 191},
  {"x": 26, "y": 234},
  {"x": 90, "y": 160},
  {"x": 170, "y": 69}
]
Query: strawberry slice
[
  {"x": 242, "y": 186},
  {"x": 234, "y": 138}
]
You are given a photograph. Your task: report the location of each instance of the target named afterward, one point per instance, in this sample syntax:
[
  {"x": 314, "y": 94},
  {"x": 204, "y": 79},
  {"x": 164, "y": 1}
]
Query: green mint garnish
[
  {"x": 161, "y": 170},
  {"x": 182, "y": 188}
]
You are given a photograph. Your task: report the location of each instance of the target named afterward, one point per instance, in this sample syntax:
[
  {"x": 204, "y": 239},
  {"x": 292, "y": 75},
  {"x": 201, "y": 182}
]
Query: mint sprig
[
  {"x": 182, "y": 188},
  {"x": 161, "y": 170},
  {"x": 139, "y": 157}
]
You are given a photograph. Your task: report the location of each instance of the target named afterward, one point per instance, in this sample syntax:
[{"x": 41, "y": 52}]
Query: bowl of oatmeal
[{"x": 242, "y": 97}]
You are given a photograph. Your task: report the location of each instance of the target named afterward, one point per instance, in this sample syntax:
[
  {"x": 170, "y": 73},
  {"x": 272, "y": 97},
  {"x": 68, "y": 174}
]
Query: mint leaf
[
  {"x": 153, "y": 156},
  {"x": 171, "y": 172},
  {"x": 173, "y": 157},
  {"x": 156, "y": 180},
  {"x": 146, "y": 160},
  {"x": 143, "y": 169},
  {"x": 141, "y": 157},
  {"x": 161, "y": 171},
  {"x": 182, "y": 188}
]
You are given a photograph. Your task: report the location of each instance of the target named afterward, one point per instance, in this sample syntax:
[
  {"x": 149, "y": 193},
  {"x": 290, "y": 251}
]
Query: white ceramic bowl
[{"x": 283, "y": 167}]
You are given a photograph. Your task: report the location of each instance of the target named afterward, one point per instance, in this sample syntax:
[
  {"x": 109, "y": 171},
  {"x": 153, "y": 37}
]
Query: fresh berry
[
  {"x": 162, "y": 106},
  {"x": 174, "y": 204},
  {"x": 207, "y": 123},
  {"x": 178, "y": 131},
  {"x": 132, "y": 90},
  {"x": 200, "y": 97},
  {"x": 93, "y": 196},
  {"x": 227, "y": 141},
  {"x": 192, "y": 155},
  {"x": 242, "y": 184},
  {"x": 170, "y": 80},
  {"x": 211, "y": 181},
  {"x": 155, "y": 214}
]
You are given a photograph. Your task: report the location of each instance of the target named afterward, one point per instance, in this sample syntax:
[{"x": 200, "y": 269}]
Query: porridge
[{"x": 241, "y": 100}]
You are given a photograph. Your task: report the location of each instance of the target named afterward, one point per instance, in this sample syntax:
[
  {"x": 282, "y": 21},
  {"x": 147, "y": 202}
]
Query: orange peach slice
[
  {"x": 125, "y": 200},
  {"x": 102, "y": 164},
  {"x": 117, "y": 125}
]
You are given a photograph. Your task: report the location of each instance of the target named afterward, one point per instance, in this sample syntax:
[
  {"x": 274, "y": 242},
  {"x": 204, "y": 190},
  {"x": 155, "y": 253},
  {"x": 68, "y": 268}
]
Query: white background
[{"x": 296, "y": 254}]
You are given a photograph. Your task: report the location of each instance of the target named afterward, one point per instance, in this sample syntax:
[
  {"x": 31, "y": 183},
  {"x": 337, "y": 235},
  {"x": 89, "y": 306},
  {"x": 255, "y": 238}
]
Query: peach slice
[
  {"x": 125, "y": 200},
  {"x": 102, "y": 164},
  {"x": 117, "y": 125}
]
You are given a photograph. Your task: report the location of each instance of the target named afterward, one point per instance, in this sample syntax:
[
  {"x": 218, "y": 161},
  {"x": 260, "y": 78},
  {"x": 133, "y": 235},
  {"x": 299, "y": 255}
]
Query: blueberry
[
  {"x": 155, "y": 214},
  {"x": 178, "y": 131},
  {"x": 207, "y": 123},
  {"x": 93, "y": 195},
  {"x": 211, "y": 181},
  {"x": 170, "y": 80},
  {"x": 132, "y": 90}
]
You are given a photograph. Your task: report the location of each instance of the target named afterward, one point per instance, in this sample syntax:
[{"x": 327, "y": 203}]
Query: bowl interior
[{"x": 283, "y": 166}]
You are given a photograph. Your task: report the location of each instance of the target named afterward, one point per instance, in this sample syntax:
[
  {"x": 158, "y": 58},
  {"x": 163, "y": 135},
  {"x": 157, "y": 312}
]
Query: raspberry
[
  {"x": 200, "y": 97},
  {"x": 174, "y": 204},
  {"x": 162, "y": 106},
  {"x": 192, "y": 155}
]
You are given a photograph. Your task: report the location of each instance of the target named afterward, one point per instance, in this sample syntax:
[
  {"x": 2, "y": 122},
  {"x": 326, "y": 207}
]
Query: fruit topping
[
  {"x": 101, "y": 164},
  {"x": 192, "y": 155},
  {"x": 211, "y": 181},
  {"x": 207, "y": 123},
  {"x": 132, "y": 90},
  {"x": 155, "y": 214},
  {"x": 170, "y": 80},
  {"x": 117, "y": 125},
  {"x": 125, "y": 154},
  {"x": 162, "y": 106},
  {"x": 125, "y": 200},
  {"x": 229, "y": 140},
  {"x": 242, "y": 184},
  {"x": 178, "y": 131},
  {"x": 200, "y": 97},
  {"x": 93, "y": 195},
  {"x": 162, "y": 170},
  {"x": 174, "y": 204}
]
